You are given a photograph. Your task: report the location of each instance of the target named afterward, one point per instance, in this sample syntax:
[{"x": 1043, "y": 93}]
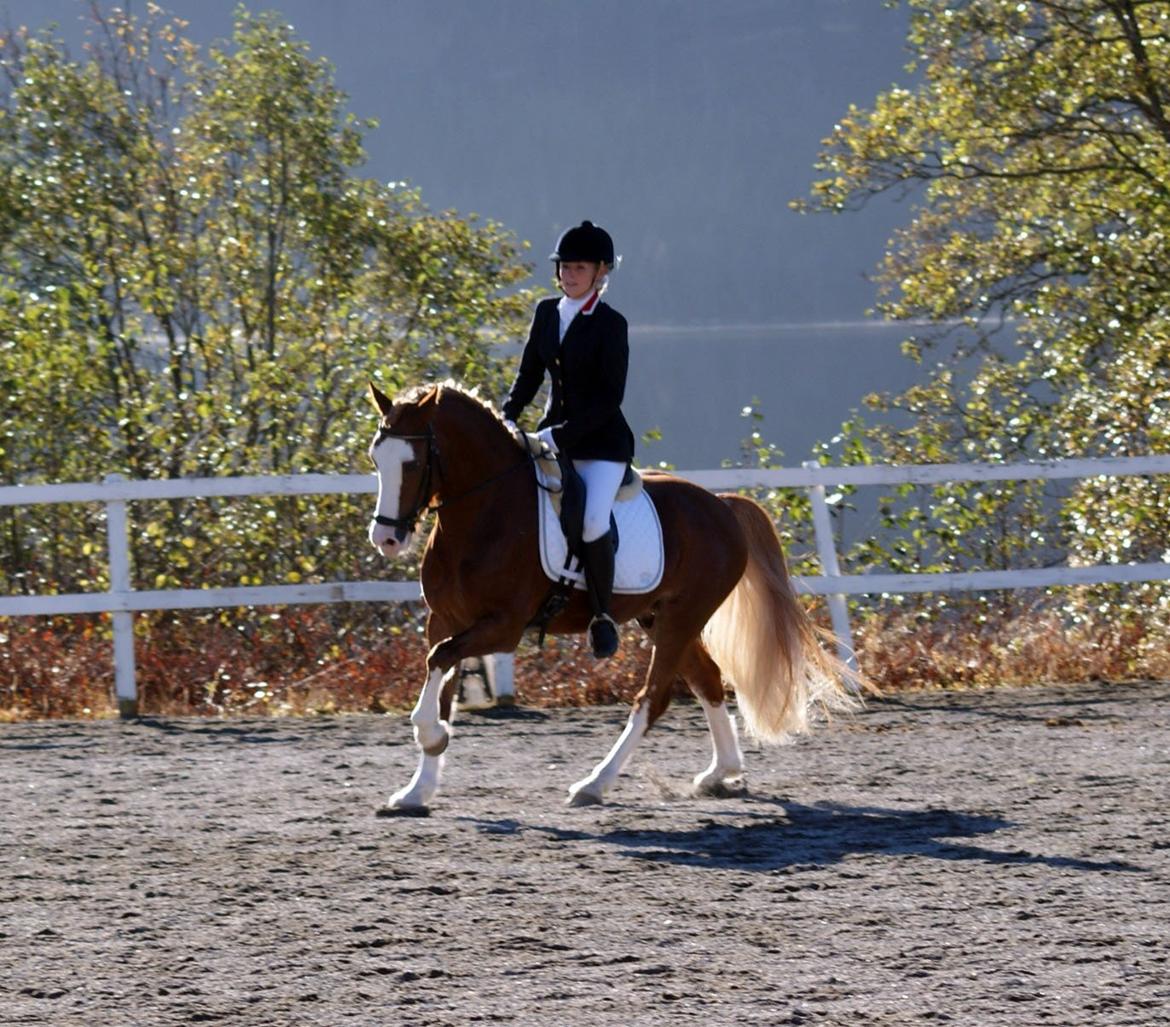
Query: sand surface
[{"x": 988, "y": 858}]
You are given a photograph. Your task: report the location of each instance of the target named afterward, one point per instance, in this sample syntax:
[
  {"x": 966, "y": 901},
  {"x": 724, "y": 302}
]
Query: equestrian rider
[{"x": 580, "y": 342}]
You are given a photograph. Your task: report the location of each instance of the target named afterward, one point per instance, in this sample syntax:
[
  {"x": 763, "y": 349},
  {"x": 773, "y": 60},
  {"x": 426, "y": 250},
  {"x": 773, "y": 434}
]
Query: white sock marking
[
  {"x": 606, "y": 772},
  {"x": 727, "y": 761}
]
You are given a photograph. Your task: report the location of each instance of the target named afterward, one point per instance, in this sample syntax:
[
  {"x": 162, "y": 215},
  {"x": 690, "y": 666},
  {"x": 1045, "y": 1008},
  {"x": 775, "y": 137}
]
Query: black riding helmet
[{"x": 584, "y": 242}]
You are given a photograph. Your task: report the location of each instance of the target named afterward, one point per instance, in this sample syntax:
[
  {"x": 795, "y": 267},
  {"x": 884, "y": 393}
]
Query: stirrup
[{"x": 603, "y": 635}]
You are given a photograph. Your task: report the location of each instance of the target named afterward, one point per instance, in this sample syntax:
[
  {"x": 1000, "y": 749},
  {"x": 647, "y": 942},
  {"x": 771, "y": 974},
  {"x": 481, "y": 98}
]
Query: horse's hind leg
[
  {"x": 702, "y": 675},
  {"x": 590, "y": 790},
  {"x": 649, "y": 705}
]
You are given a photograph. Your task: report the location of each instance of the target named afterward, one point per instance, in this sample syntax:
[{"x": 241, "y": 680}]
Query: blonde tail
[{"x": 766, "y": 644}]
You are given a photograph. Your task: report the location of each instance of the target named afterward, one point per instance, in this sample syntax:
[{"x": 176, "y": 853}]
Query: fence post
[
  {"x": 118, "y": 544},
  {"x": 827, "y": 554}
]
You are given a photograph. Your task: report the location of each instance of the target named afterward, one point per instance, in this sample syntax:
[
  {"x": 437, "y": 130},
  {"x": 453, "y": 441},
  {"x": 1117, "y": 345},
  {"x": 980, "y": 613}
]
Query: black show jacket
[{"x": 587, "y": 371}]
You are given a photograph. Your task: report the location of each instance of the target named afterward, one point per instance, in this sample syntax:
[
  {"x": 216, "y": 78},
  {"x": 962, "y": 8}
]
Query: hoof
[
  {"x": 582, "y": 796},
  {"x": 721, "y": 788},
  {"x": 403, "y": 811}
]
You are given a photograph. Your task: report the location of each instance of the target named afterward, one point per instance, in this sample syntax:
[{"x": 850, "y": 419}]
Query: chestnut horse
[{"x": 725, "y": 606}]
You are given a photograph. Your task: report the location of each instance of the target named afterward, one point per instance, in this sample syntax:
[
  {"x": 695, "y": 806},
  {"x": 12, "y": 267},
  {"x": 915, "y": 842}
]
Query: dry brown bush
[
  {"x": 288, "y": 661},
  {"x": 972, "y": 649},
  {"x": 305, "y": 660}
]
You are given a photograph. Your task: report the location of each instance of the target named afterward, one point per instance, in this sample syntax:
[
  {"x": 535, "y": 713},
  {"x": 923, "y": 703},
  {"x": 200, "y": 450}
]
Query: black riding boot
[{"x": 598, "y": 565}]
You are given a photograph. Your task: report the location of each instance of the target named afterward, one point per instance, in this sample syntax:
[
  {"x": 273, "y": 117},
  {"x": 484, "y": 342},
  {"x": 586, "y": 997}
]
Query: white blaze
[{"x": 389, "y": 456}]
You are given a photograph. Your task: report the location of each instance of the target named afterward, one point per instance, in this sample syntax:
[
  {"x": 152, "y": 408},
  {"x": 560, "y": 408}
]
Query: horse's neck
[{"x": 472, "y": 452}]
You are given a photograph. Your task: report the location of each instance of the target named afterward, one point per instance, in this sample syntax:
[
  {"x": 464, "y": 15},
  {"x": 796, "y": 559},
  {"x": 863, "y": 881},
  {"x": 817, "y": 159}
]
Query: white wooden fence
[{"x": 122, "y": 600}]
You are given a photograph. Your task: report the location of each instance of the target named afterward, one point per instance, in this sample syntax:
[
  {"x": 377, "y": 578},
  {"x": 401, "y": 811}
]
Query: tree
[
  {"x": 1036, "y": 145},
  {"x": 195, "y": 281}
]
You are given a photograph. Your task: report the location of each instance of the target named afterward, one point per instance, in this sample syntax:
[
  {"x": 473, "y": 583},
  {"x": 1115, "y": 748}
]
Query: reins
[{"x": 475, "y": 488}]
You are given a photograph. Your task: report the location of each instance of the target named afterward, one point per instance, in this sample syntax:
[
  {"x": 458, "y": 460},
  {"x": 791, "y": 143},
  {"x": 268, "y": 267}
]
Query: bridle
[
  {"x": 421, "y": 506},
  {"x": 406, "y": 523}
]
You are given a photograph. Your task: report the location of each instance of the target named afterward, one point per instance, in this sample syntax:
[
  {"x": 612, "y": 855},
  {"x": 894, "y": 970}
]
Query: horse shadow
[
  {"x": 799, "y": 835},
  {"x": 1067, "y": 712},
  {"x": 505, "y": 714},
  {"x": 269, "y": 732}
]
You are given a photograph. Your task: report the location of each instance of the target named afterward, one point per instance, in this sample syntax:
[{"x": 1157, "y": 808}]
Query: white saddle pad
[{"x": 640, "y": 559}]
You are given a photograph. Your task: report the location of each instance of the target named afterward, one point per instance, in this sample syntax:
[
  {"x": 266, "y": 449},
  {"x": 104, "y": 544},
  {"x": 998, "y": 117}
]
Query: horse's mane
[{"x": 450, "y": 387}]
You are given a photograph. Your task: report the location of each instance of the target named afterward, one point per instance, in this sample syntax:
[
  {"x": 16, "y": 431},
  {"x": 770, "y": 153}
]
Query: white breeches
[{"x": 603, "y": 478}]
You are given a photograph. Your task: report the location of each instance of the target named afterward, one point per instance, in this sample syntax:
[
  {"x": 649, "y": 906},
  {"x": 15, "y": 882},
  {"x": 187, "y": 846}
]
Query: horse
[{"x": 725, "y": 605}]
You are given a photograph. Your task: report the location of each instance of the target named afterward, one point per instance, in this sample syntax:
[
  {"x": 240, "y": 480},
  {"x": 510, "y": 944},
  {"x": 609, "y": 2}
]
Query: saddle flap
[{"x": 639, "y": 563}]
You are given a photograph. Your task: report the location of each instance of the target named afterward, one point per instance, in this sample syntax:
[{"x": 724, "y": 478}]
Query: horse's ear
[{"x": 382, "y": 403}]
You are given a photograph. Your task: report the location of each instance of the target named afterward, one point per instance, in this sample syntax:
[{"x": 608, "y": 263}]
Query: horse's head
[{"x": 404, "y": 454}]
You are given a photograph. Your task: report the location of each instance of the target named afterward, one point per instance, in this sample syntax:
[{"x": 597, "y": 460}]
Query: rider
[{"x": 581, "y": 343}]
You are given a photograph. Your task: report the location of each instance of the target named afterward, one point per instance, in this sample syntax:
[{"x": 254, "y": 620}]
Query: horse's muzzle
[{"x": 389, "y": 541}]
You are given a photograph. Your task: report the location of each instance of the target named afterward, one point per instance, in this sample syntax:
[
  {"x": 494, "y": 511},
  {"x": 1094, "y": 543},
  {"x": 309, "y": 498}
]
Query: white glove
[
  {"x": 511, "y": 426},
  {"x": 547, "y": 441}
]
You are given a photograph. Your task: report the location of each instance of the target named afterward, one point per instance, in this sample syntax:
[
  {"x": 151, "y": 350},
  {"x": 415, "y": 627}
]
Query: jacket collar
[{"x": 569, "y": 309}]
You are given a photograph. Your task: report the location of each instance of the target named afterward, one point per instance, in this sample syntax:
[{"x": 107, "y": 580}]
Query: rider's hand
[
  {"x": 511, "y": 426},
  {"x": 547, "y": 440}
]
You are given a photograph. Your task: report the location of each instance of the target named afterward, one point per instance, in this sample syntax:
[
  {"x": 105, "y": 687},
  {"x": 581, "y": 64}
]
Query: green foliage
[
  {"x": 1036, "y": 142},
  {"x": 194, "y": 280},
  {"x": 789, "y": 508}
]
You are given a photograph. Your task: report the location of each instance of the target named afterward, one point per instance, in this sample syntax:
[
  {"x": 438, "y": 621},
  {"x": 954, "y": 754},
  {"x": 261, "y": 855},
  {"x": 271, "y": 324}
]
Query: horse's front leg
[
  {"x": 432, "y": 733},
  {"x": 431, "y": 717}
]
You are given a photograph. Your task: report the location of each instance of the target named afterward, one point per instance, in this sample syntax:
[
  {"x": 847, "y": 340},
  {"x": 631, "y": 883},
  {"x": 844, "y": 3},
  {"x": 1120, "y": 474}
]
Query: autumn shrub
[
  {"x": 55, "y": 667},
  {"x": 280, "y": 660},
  {"x": 196, "y": 281},
  {"x": 274, "y": 662},
  {"x": 978, "y": 643},
  {"x": 564, "y": 672},
  {"x": 326, "y": 660}
]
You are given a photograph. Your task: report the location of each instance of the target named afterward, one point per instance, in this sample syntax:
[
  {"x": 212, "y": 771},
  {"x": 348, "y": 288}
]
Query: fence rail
[{"x": 122, "y": 600}]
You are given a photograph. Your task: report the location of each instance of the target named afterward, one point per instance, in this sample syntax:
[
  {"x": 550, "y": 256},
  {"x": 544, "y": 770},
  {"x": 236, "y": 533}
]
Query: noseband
[{"x": 408, "y": 520}]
